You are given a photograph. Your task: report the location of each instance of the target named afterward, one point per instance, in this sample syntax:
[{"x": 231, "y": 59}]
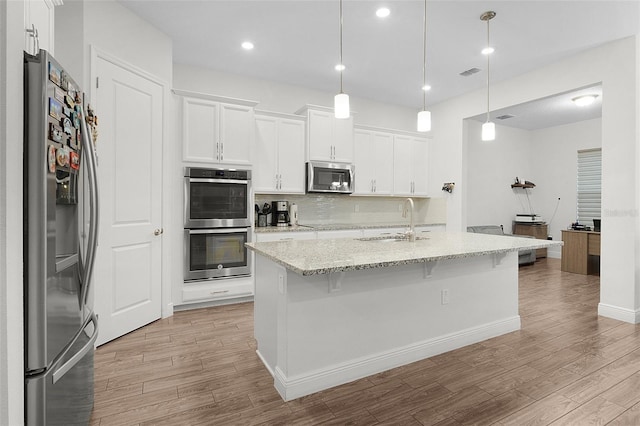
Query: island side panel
[
  {"x": 269, "y": 278},
  {"x": 386, "y": 317}
]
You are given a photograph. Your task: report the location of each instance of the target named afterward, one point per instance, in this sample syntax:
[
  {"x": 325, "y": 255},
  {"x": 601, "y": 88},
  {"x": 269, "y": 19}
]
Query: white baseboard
[
  {"x": 314, "y": 381},
  {"x": 265, "y": 363},
  {"x": 621, "y": 314}
]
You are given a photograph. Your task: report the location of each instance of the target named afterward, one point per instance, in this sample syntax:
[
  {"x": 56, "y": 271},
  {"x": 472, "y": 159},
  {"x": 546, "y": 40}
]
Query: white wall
[
  {"x": 11, "y": 324},
  {"x": 616, "y": 66},
  {"x": 286, "y": 98},
  {"x": 554, "y": 170},
  {"x": 491, "y": 169},
  {"x": 546, "y": 157},
  {"x": 114, "y": 29}
]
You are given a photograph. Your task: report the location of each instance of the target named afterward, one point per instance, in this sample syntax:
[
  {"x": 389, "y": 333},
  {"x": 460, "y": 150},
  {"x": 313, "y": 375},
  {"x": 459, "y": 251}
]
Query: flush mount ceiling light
[
  {"x": 424, "y": 116},
  {"x": 488, "y": 128},
  {"x": 341, "y": 100},
  {"x": 383, "y": 12},
  {"x": 340, "y": 67},
  {"x": 247, "y": 45},
  {"x": 584, "y": 100}
]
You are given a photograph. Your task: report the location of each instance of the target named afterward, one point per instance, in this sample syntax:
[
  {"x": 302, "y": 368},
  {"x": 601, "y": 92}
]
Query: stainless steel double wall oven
[{"x": 217, "y": 223}]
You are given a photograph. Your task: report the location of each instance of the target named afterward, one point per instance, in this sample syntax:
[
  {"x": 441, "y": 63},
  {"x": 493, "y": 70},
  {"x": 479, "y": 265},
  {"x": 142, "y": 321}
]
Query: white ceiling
[{"x": 297, "y": 41}]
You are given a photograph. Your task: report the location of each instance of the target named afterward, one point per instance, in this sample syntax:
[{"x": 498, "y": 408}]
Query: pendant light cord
[
  {"x": 341, "y": 63},
  {"x": 424, "y": 67},
  {"x": 488, "y": 69}
]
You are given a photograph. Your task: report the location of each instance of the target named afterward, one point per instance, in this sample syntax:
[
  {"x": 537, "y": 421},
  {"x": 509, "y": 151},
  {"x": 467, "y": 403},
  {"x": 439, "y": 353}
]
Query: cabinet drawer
[{"x": 216, "y": 290}]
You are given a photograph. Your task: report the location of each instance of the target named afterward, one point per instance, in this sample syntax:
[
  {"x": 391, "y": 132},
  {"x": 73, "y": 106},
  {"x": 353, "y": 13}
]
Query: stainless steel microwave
[{"x": 330, "y": 177}]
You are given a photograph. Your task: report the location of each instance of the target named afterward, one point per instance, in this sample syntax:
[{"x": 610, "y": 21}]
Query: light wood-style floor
[{"x": 567, "y": 366}]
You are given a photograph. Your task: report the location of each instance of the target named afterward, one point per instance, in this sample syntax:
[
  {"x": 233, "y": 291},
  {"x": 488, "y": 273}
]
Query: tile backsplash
[{"x": 315, "y": 209}]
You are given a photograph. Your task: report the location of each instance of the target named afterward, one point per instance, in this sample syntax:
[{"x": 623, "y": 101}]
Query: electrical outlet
[
  {"x": 400, "y": 207},
  {"x": 445, "y": 296},
  {"x": 356, "y": 208}
]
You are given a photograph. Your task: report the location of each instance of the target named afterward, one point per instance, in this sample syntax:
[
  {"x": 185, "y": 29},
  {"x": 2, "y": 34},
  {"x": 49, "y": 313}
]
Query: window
[{"x": 589, "y": 192}]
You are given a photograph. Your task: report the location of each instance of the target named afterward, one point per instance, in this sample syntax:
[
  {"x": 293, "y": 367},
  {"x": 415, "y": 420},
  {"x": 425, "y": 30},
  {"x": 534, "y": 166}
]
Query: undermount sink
[{"x": 386, "y": 239}]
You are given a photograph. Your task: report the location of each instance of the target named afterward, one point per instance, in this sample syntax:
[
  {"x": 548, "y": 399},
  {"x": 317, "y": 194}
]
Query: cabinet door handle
[
  {"x": 221, "y": 151},
  {"x": 375, "y": 185},
  {"x": 217, "y": 150},
  {"x": 158, "y": 231}
]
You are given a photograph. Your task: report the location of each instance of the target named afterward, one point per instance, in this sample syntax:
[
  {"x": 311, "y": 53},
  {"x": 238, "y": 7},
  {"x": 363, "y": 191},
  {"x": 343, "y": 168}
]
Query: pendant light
[
  {"x": 488, "y": 128},
  {"x": 424, "y": 116},
  {"x": 341, "y": 100}
]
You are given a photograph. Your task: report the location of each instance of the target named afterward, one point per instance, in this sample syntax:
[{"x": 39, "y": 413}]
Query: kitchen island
[{"x": 328, "y": 312}]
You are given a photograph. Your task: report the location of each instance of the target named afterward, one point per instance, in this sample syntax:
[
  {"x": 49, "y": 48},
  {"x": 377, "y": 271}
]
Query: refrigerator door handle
[
  {"x": 64, "y": 368},
  {"x": 92, "y": 243}
]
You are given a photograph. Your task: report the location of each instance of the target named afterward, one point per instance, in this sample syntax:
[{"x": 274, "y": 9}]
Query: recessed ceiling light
[
  {"x": 247, "y": 45},
  {"x": 426, "y": 87},
  {"x": 383, "y": 12},
  {"x": 340, "y": 67},
  {"x": 488, "y": 50},
  {"x": 584, "y": 100}
]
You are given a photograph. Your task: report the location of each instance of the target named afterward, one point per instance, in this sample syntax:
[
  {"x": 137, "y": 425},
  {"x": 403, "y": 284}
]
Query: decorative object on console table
[
  {"x": 536, "y": 230},
  {"x": 522, "y": 183}
]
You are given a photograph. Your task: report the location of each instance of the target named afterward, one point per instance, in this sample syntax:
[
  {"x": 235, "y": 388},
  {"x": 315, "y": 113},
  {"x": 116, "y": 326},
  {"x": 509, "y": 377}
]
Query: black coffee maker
[{"x": 280, "y": 213}]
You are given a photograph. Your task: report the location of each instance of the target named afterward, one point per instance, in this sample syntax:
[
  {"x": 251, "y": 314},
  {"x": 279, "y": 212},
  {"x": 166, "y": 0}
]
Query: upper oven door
[{"x": 216, "y": 203}]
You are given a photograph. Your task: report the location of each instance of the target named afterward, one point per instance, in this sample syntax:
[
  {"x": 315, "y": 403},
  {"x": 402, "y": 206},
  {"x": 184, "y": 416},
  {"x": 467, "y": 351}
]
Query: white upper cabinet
[
  {"x": 279, "y": 153},
  {"x": 374, "y": 170},
  {"x": 216, "y": 130},
  {"x": 329, "y": 139},
  {"x": 38, "y": 26},
  {"x": 410, "y": 162}
]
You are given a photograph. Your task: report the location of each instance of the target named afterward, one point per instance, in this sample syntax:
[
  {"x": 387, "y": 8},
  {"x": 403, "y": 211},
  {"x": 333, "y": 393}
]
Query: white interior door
[{"x": 128, "y": 261}]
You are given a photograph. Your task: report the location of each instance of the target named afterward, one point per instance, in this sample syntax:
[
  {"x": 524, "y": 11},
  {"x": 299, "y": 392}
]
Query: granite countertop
[
  {"x": 316, "y": 257},
  {"x": 335, "y": 227}
]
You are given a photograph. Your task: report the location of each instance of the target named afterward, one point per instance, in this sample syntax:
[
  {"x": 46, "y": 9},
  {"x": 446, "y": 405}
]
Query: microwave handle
[{"x": 310, "y": 177}]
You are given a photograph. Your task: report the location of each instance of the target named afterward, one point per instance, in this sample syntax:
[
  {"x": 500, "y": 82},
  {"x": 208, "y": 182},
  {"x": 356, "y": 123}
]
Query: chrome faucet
[{"x": 411, "y": 234}]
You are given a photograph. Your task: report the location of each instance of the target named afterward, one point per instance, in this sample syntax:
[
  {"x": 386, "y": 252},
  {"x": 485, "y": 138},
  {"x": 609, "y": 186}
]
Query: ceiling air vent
[
  {"x": 505, "y": 117},
  {"x": 469, "y": 72}
]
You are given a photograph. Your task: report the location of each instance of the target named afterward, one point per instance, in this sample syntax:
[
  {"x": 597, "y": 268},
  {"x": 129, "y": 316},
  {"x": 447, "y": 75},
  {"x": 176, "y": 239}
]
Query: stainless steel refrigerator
[{"x": 60, "y": 235}]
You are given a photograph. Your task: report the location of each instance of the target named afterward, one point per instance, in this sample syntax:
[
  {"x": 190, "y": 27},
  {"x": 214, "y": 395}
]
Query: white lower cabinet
[
  {"x": 343, "y": 233},
  {"x": 384, "y": 232},
  {"x": 284, "y": 236},
  {"x": 215, "y": 290}
]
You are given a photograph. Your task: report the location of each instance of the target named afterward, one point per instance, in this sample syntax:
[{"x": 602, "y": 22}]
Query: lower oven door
[{"x": 216, "y": 253}]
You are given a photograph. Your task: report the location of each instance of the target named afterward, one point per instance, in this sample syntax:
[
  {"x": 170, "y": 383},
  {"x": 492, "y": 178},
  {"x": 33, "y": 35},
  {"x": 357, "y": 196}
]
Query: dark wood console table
[
  {"x": 579, "y": 250},
  {"x": 536, "y": 230}
]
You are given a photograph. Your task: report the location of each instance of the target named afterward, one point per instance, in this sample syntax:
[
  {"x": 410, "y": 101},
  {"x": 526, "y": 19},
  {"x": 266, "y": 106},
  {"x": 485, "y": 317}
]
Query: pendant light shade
[
  {"x": 341, "y": 100},
  {"x": 341, "y": 105},
  {"x": 488, "y": 131},
  {"x": 424, "y": 121},
  {"x": 488, "y": 128},
  {"x": 424, "y": 116}
]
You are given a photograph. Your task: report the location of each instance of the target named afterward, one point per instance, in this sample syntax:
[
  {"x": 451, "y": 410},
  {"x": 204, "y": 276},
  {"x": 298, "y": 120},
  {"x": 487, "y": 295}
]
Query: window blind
[{"x": 589, "y": 188}]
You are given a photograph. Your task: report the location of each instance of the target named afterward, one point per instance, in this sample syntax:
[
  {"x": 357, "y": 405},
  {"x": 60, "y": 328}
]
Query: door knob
[{"x": 158, "y": 232}]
